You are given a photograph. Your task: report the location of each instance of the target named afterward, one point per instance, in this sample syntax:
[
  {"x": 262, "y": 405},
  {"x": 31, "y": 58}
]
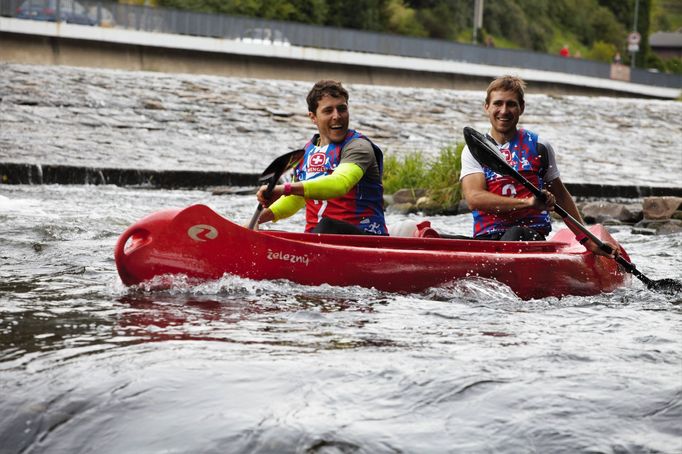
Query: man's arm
[
  {"x": 282, "y": 208},
  {"x": 565, "y": 200},
  {"x": 265, "y": 216},
  {"x": 478, "y": 197},
  {"x": 337, "y": 184},
  {"x": 359, "y": 151}
]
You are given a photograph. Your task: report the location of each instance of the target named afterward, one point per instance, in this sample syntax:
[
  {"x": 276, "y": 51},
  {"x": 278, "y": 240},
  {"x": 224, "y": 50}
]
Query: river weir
[
  {"x": 56, "y": 115},
  {"x": 234, "y": 365}
]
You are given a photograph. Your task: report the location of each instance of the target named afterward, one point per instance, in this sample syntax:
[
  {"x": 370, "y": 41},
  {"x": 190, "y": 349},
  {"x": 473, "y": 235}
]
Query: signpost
[{"x": 633, "y": 42}]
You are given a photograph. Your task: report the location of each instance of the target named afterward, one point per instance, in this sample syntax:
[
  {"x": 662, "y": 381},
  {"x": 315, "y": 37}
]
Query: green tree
[
  {"x": 402, "y": 19},
  {"x": 666, "y": 15},
  {"x": 356, "y": 14},
  {"x": 444, "y": 19},
  {"x": 306, "y": 11},
  {"x": 624, "y": 11},
  {"x": 606, "y": 27},
  {"x": 507, "y": 19}
]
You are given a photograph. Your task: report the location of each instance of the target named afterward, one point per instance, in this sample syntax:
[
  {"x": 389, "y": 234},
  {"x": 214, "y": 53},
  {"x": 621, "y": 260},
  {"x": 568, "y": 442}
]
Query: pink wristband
[{"x": 287, "y": 189}]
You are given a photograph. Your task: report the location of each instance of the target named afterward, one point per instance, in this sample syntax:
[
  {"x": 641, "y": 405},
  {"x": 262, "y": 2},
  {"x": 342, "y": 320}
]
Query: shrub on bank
[{"x": 439, "y": 176}]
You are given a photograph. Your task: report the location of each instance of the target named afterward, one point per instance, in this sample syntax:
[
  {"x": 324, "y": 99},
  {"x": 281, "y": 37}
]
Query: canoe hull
[{"x": 199, "y": 243}]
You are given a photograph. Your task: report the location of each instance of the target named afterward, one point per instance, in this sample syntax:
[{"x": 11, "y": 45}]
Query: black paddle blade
[
  {"x": 669, "y": 286},
  {"x": 271, "y": 175},
  {"x": 280, "y": 165},
  {"x": 485, "y": 152}
]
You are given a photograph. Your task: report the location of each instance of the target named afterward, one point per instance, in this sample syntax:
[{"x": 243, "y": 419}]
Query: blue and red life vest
[
  {"x": 362, "y": 206},
  {"x": 523, "y": 155}
]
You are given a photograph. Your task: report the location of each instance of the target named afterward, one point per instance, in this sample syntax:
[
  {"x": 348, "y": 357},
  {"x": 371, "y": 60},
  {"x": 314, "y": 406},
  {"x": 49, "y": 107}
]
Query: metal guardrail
[{"x": 151, "y": 19}]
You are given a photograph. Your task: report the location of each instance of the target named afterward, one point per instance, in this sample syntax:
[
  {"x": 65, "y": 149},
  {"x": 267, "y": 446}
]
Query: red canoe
[{"x": 199, "y": 243}]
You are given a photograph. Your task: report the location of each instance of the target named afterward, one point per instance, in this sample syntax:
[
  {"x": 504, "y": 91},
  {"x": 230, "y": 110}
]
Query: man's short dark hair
[
  {"x": 324, "y": 88},
  {"x": 507, "y": 83}
]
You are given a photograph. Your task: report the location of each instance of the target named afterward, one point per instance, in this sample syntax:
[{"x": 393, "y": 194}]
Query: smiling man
[
  {"x": 339, "y": 178},
  {"x": 504, "y": 209}
]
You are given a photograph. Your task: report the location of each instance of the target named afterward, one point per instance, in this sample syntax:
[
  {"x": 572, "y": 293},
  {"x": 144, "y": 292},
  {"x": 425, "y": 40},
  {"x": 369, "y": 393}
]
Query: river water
[{"x": 90, "y": 366}]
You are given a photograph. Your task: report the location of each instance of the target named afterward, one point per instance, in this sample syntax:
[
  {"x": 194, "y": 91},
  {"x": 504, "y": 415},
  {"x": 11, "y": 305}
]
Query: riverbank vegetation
[
  {"x": 594, "y": 29},
  {"x": 437, "y": 178}
]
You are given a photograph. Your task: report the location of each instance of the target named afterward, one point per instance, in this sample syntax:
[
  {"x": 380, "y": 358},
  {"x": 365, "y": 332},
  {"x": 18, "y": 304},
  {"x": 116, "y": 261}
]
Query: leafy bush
[
  {"x": 408, "y": 172},
  {"x": 653, "y": 61},
  {"x": 674, "y": 65},
  {"x": 402, "y": 19},
  {"x": 667, "y": 65},
  {"x": 602, "y": 51},
  {"x": 439, "y": 176},
  {"x": 443, "y": 176}
]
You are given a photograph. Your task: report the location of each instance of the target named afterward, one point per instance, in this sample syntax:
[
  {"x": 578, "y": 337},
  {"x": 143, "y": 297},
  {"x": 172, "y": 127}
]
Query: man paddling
[
  {"x": 504, "y": 209},
  {"x": 339, "y": 178}
]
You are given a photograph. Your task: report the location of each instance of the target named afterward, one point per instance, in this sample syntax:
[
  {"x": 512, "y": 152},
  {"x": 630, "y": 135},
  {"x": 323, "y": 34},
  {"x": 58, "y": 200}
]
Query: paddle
[
  {"x": 271, "y": 175},
  {"x": 487, "y": 154}
]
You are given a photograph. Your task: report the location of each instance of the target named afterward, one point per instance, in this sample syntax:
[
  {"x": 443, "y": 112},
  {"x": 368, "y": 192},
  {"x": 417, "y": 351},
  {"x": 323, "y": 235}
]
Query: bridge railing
[{"x": 152, "y": 19}]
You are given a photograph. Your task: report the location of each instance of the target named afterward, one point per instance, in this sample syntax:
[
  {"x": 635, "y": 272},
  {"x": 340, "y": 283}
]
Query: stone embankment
[{"x": 655, "y": 215}]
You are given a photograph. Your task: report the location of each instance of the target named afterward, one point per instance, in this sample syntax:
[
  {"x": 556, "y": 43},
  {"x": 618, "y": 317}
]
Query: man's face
[
  {"x": 503, "y": 111},
  {"x": 331, "y": 119}
]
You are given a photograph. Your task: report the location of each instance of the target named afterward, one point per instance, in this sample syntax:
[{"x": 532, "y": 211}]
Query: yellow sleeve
[
  {"x": 286, "y": 206},
  {"x": 344, "y": 177}
]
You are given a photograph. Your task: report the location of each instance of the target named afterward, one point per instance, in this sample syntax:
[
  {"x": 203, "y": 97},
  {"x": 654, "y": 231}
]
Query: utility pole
[
  {"x": 478, "y": 17},
  {"x": 634, "y": 37}
]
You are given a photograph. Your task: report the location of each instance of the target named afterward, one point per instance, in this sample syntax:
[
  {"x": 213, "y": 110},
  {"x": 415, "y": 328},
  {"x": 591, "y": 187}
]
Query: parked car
[
  {"x": 46, "y": 10},
  {"x": 265, "y": 36}
]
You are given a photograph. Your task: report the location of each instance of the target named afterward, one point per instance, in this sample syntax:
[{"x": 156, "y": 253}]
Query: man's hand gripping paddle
[{"x": 271, "y": 175}]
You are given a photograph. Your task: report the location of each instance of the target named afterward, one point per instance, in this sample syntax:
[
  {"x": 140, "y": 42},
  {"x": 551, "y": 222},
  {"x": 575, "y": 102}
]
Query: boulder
[
  {"x": 428, "y": 205},
  {"x": 408, "y": 195},
  {"x": 658, "y": 227},
  {"x": 388, "y": 200},
  {"x": 602, "y": 212},
  {"x": 643, "y": 231},
  {"x": 670, "y": 227},
  {"x": 657, "y": 208}
]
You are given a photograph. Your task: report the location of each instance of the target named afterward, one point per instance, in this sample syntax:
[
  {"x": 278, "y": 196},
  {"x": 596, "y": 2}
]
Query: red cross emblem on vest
[{"x": 317, "y": 159}]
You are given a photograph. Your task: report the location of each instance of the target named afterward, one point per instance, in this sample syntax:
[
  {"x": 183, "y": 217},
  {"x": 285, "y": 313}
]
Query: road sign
[
  {"x": 633, "y": 48},
  {"x": 634, "y": 38}
]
